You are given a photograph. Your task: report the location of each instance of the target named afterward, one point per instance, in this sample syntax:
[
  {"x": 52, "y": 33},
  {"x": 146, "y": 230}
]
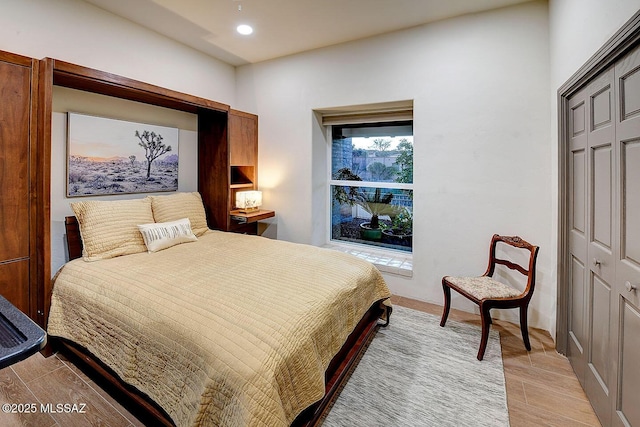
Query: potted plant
[
  {"x": 376, "y": 206},
  {"x": 401, "y": 230}
]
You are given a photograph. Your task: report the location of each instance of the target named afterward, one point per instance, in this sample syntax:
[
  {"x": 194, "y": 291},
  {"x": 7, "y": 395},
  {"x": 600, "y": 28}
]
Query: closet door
[
  {"x": 578, "y": 266},
  {"x": 601, "y": 241},
  {"x": 626, "y": 292},
  {"x": 591, "y": 239}
]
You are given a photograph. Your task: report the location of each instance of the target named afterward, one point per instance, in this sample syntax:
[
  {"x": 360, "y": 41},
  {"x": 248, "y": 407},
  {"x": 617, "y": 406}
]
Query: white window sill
[{"x": 386, "y": 261}]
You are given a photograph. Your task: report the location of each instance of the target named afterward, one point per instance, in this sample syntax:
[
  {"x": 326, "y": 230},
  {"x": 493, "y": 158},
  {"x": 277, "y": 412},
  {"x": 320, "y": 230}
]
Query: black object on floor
[{"x": 20, "y": 337}]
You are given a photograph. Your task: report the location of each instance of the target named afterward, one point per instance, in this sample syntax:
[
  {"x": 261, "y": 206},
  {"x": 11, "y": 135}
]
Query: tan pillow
[
  {"x": 110, "y": 228},
  {"x": 181, "y": 205},
  {"x": 163, "y": 235}
]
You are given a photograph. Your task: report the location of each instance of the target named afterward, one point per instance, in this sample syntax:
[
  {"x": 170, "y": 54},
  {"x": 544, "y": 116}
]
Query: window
[{"x": 371, "y": 184}]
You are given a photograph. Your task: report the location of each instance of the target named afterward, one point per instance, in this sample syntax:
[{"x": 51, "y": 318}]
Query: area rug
[{"x": 416, "y": 373}]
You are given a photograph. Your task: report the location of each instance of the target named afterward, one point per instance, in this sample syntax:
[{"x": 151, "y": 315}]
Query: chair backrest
[{"x": 516, "y": 242}]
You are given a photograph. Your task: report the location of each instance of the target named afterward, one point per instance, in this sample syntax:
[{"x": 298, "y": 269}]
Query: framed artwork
[{"x": 108, "y": 156}]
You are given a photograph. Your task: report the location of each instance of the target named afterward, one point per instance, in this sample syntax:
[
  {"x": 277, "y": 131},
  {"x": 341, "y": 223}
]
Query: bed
[{"x": 221, "y": 329}]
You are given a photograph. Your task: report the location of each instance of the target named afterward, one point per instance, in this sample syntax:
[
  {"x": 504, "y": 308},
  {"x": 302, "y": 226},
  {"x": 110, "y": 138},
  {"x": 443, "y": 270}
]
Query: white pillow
[{"x": 163, "y": 235}]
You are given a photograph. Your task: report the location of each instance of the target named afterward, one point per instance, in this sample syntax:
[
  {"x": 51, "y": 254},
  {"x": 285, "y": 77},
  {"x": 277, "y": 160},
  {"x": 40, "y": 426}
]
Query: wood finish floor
[{"x": 542, "y": 389}]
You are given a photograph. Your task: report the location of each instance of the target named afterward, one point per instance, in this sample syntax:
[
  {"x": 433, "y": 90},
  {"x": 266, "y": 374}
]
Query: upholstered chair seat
[{"x": 483, "y": 287}]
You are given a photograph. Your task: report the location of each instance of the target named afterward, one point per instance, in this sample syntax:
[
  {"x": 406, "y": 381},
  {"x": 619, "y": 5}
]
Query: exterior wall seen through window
[{"x": 372, "y": 185}]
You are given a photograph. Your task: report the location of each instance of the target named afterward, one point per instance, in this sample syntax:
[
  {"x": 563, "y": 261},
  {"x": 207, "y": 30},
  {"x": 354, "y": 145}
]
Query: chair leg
[
  {"x": 524, "y": 327},
  {"x": 447, "y": 303},
  {"x": 486, "y": 326}
]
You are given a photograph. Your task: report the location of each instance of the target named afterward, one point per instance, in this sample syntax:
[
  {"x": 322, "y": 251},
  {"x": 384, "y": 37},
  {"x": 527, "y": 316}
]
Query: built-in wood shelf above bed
[
  {"x": 89, "y": 80},
  {"x": 246, "y": 185}
]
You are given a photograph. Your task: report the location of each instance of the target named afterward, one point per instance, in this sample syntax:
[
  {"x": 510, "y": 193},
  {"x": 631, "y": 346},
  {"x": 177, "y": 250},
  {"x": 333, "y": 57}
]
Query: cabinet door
[
  {"x": 15, "y": 107},
  {"x": 14, "y": 283},
  {"x": 15, "y": 92},
  {"x": 243, "y": 139}
]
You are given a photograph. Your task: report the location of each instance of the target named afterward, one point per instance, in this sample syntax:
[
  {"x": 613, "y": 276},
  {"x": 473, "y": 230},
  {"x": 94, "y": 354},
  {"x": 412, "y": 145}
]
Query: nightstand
[{"x": 248, "y": 222}]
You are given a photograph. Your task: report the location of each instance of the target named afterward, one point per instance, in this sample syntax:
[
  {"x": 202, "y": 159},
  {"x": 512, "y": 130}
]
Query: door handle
[
  {"x": 597, "y": 262},
  {"x": 630, "y": 287}
]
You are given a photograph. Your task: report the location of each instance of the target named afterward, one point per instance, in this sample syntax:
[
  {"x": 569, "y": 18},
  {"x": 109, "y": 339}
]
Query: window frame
[{"x": 366, "y": 184}]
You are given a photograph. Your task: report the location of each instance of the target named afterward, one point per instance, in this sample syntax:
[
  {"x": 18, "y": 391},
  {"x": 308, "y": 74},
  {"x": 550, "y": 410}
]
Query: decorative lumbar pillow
[
  {"x": 181, "y": 205},
  {"x": 163, "y": 235},
  {"x": 110, "y": 228}
]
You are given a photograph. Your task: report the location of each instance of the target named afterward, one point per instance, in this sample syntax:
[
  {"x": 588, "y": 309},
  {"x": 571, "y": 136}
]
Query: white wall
[
  {"x": 80, "y": 33},
  {"x": 480, "y": 87},
  {"x": 578, "y": 28}
]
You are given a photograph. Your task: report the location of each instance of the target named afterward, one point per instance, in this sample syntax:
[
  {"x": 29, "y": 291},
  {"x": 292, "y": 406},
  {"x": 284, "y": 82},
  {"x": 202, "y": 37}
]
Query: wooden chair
[{"x": 489, "y": 293}]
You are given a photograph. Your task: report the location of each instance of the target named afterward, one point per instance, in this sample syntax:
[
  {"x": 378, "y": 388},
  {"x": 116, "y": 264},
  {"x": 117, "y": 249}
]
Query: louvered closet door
[
  {"x": 626, "y": 291},
  {"x": 600, "y": 265}
]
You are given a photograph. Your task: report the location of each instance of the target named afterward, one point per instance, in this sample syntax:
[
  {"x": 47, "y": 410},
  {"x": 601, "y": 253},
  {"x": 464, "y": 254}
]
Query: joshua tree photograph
[{"x": 108, "y": 156}]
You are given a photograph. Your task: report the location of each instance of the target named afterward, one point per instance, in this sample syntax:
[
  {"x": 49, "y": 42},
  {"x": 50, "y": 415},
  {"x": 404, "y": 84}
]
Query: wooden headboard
[{"x": 74, "y": 241}]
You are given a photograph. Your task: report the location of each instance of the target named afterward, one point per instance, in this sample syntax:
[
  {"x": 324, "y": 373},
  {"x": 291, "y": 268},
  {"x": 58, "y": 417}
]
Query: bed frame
[{"x": 143, "y": 407}]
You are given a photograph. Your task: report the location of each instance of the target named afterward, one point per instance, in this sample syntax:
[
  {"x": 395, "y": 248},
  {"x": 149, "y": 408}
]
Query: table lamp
[{"x": 248, "y": 201}]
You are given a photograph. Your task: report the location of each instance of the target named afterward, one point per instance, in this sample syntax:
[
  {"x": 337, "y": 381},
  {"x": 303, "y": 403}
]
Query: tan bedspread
[{"x": 241, "y": 337}]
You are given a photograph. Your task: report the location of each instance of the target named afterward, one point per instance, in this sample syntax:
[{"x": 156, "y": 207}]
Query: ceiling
[{"x": 283, "y": 27}]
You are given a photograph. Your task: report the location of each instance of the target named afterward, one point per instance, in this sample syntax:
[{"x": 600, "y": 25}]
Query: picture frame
[{"x": 109, "y": 156}]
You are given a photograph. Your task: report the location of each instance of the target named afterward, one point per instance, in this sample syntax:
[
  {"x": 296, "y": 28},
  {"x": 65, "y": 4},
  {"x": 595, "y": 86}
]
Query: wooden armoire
[{"x": 18, "y": 181}]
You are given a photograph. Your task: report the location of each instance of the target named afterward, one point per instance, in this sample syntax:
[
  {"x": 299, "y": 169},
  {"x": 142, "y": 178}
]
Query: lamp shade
[{"x": 248, "y": 201}]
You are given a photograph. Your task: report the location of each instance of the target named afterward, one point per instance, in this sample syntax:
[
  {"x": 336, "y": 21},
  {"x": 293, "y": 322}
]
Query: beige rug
[{"x": 416, "y": 373}]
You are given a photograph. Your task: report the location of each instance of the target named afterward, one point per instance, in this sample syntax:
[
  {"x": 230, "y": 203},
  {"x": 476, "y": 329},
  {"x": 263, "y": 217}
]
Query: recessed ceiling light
[{"x": 244, "y": 29}]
